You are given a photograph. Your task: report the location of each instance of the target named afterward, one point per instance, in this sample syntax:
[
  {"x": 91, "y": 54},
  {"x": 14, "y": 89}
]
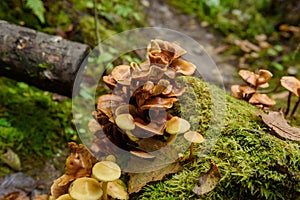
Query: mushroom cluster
[
  {"x": 89, "y": 179},
  {"x": 249, "y": 93},
  {"x": 141, "y": 95}
]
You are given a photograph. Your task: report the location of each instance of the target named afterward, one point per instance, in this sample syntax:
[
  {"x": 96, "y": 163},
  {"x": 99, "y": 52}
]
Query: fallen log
[{"x": 45, "y": 61}]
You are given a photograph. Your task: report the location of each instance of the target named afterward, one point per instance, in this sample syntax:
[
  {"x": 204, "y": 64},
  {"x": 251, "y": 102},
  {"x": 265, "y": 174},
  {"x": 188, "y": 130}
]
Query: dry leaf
[
  {"x": 208, "y": 181},
  {"x": 117, "y": 190},
  {"x": 11, "y": 159},
  {"x": 277, "y": 122},
  {"x": 137, "y": 181}
]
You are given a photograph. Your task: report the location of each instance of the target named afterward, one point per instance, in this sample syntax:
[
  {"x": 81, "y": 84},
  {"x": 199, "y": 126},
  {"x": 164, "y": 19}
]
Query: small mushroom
[
  {"x": 106, "y": 171},
  {"x": 263, "y": 77},
  {"x": 262, "y": 99},
  {"x": 147, "y": 130},
  {"x": 176, "y": 125},
  {"x": 159, "y": 103},
  {"x": 257, "y": 80},
  {"x": 65, "y": 197},
  {"x": 121, "y": 74},
  {"x": 125, "y": 122},
  {"x": 85, "y": 188},
  {"x": 183, "y": 67},
  {"x": 292, "y": 84},
  {"x": 242, "y": 91},
  {"x": 193, "y": 137},
  {"x": 107, "y": 103},
  {"x": 109, "y": 81},
  {"x": 248, "y": 76}
]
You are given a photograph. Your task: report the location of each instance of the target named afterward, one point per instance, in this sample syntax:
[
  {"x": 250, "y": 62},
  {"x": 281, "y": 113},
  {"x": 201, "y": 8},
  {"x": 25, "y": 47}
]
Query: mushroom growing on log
[{"x": 141, "y": 95}]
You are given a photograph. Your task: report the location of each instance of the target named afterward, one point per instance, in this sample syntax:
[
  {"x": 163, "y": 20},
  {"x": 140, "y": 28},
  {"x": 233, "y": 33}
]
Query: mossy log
[
  {"x": 45, "y": 61},
  {"x": 253, "y": 162}
]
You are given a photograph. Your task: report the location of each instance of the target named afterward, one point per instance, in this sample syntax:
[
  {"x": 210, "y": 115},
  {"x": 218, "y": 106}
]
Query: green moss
[
  {"x": 254, "y": 164},
  {"x": 32, "y": 124},
  {"x": 88, "y": 30}
]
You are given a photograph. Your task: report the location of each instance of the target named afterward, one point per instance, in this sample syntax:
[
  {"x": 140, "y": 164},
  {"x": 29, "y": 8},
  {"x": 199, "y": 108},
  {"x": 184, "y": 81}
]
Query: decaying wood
[{"x": 48, "y": 62}]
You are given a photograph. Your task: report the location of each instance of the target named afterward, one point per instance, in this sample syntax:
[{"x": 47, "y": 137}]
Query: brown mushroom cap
[
  {"x": 159, "y": 103},
  {"x": 106, "y": 171},
  {"x": 177, "y": 125},
  {"x": 121, "y": 74},
  {"x": 240, "y": 91},
  {"x": 143, "y": 130},
  {"x": 125, "y": 121},
  {"x": 108, "y": 102},
  {"x": 85, "y": 188},
  {"x": 65, "y": 197},
  {"x": 263, "y": 77},
  {"x": 142, "y": 154},
  {"x": 193, "y": 136},
  {"x": 261, "y": 99},
  {"x": 292, "y": 84},
  {"x": 110, "y": 81},
  {"x": 183, "y": 67},
  {"x": 248, "y": 76}
]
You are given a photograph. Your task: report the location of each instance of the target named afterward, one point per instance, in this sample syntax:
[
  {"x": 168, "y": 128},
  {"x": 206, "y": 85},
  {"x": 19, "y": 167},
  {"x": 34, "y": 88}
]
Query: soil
[{"x": 160, "y": 14}]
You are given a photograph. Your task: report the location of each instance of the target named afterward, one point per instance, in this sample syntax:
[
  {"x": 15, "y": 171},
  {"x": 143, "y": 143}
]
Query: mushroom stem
[
  {"x": 288, "y": 104},
  {"x": 295, "y": 107},
  {"x": 171, "y": 138},
  {"x": 191, "y": 151},
  {"x": 104, "y": 188}
]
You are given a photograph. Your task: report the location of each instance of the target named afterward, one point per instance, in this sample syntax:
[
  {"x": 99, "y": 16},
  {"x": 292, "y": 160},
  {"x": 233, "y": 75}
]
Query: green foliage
[
  {"x": 37, "y": 8},
  {"x": 243, "y": 18},
  {"x": 31, "y": 123},
  {"x": 254, "y": 164}
]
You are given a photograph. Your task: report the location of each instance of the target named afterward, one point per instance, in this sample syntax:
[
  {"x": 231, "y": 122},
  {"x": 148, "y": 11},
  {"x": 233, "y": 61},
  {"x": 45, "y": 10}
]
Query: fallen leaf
[
  {"x": 137, "y": 181},
  {"x": 277, "y": 122},
  {"x": 117, "y": 189},
  {"x": 11, "y": 159},
  {"x": 208, "y": 181}
]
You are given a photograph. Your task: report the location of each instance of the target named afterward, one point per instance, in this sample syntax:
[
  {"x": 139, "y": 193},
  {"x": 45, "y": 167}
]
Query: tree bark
[{"x": 45, "y": 61}]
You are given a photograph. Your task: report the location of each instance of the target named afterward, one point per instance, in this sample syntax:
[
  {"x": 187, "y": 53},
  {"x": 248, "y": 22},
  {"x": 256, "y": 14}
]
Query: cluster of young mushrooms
[
  {"x": 249, "y": 92},
  {"x": 86, "y": 178},
  {"x": 137, "y": 107},
  {"x": 134, "y": 111}
]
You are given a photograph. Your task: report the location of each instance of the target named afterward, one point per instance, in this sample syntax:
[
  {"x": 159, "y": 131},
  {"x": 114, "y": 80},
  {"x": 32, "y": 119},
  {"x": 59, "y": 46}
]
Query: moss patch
[
  {"x": 253, "y": 163},
  {"x": 32, "y": 124}
]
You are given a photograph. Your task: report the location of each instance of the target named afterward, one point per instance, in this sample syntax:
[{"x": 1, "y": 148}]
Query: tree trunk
[{"x": 45, "y": 61}]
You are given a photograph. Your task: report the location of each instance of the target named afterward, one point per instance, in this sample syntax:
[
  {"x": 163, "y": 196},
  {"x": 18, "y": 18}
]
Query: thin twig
[{"x": 97, "y": 26}]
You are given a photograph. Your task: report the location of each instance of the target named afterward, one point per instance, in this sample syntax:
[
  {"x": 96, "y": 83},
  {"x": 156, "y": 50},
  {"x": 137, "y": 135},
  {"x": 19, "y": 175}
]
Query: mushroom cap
[
  {"x": 85, "y": 188},
  {"x": 108, "y": 102},
  {"x": 121, "y": 74},
  {"x": 292, "y": 84},
  {"x": 248, "y": 76},
  {"x": 106, "y": 171},
  {"x": 261, "y": 99},
  {"x": 183, "y": 67},
  {"x": 125, "y": 121},
  {"x": 159, "y": 103},
  {"x": 117, "y": 190},
  {"x": 142, "y": 154},
  {"x": 177, "y": 125},
  {"x": 193, "y": 136},
  {"x": 263, "y": 76},
  {"x": 109, "y": 81},
  {"x": 65, "y": 197},
  {"x": 147, "y": 130}
]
